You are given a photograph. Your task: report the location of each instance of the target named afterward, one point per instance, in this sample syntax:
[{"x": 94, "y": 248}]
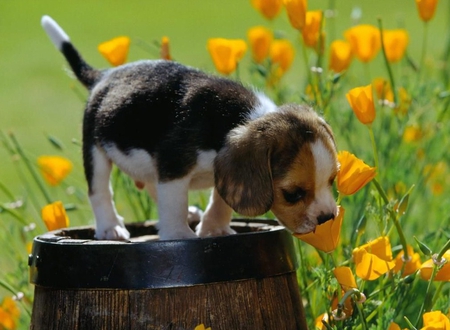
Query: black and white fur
[{"x": 172, "y": 128}]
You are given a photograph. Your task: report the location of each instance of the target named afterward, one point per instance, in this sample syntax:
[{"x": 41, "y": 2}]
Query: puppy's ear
[{"x": 242, "y": 172}]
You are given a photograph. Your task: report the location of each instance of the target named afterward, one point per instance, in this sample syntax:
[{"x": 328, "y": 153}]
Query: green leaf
[{"x": 424, "y": 248}]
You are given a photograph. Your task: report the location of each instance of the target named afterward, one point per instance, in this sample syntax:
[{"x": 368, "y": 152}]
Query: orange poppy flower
[
  {"x": 164, "y": 52},
  {"x": 383, "y": 90},
  {"x": 318, "y": 321},
  {"x": 373, "y": 259},
  {"x": 394, "y": 326},
  {"x": 55, "y": 216},
  {"x": 395, "y": 42},
  {"x": 9, "y": 313},
  {"x": 312, "y": 29},
  {"x": 411, "y": 265},
  {"x": 282, "y": 53},
  {"x": 260, "y": 39},
  {"x": 226, "y": 53},
  {"x": 442, "y": 275},
  {"x": 340, "y": 55},
  {"x": 347, "y": 308},
  {"x": 296, "y": 11},
  {"x": 426, "y": 9},
  {"x": 365, "y": 41},
  {"x": 345, "y": 278},
  {"x": 115, "y": 50},
  {"x": 353, "y": 174},
  {"x": 435, "y": 320},
  {"x": 268, "y": 8},
  {"x": 412, "y": 133},
  {"x": 202, "y": 327},
  {"x": 361, "y": 102},
  {"x": 326, "y": 236},
  {"x": 54, "y": 169}
]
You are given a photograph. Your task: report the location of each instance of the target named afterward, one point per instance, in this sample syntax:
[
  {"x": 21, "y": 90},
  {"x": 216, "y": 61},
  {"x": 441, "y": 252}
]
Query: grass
[{"x": 39, "y": 100}]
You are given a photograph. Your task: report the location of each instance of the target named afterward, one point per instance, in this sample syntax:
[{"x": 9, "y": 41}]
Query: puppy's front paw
[
  {"x": 208, "y": 231},
  {"x": 116, "y": 233},
  {"x": 178, "y": 234}
]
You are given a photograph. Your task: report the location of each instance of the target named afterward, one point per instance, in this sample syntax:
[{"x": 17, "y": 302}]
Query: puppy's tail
[{"x": 84, "y": 72}]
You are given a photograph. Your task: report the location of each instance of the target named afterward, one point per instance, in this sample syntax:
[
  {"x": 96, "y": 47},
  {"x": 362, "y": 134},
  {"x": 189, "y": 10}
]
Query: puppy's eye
[{"x": 294, "y": 196}]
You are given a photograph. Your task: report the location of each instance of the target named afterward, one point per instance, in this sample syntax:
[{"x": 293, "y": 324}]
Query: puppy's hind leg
[
  {"x": 109, "y": 225},
  {"x": 216, "y": 219}
]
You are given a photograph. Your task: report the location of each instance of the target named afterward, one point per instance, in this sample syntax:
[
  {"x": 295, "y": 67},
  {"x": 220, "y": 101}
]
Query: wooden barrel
[{"x": 242, "y": 281}]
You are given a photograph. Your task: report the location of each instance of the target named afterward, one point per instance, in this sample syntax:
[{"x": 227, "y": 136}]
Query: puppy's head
[{"x": 285, "y": 162}]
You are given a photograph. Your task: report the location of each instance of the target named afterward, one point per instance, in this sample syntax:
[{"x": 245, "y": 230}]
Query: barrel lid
[{"x": 71, "y": 258}]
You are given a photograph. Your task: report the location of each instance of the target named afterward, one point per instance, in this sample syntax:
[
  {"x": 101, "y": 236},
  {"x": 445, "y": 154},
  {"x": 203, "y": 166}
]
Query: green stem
[
  {"x": 424, "y": 49},
  {"x": 394, "y": 219},
  {"x": 443, "y": 250},
  {"x": 386, "y": 62},
  {"x": 426, "y": 302},
  {"x": 30, "y": 168},
  {"x": 374, "y": 148}
]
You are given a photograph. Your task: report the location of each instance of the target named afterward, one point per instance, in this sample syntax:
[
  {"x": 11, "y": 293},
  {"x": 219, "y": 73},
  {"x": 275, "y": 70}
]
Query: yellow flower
[
  {"x": 394, "y": 326},
  {"x": 164, "y": 52},
  {"x": 226, "y": 53},
  {"x": 115, "y": 50},
  {"x": 201, "y": 327},
  {"x": 373, "y": 259},
  {"x": 365, "y": 41},
  {"x": 282, "y": 54},
  {"x": 405, "y": 102},
  {"x": 361, "y": 102},
  {"x": 412, "y": 133},
  {"x": 353, "y": 174},
  {"x": 345, "y": 278},
  {"x": 312, "y": 29},
  {"x": 260, "y": 39},
  {"x": 436, "y": 177},
  {"x": 383, "y": 90},
  {"x": 435, "y": 320},
  {"x": 411, "y": 265},
  {"x": 9, "y": 313},
  {"x": 442, "y": 275},
  {"x": 326, "y": 236},
  {"x": 54, "y": 169},
  {"x": 395, "y": 42},
  {"x": 426, "y": 9},
  {"x": 318, "y": 324},
  {"x": 268, "y": 8},
  {"x": 29, "y": 247},
  {"x": 340, "y": 55},
  {"x": 347, "y": 308},
  {"x": 55, "y": 216},
  {"x": 296, "y": 10}
]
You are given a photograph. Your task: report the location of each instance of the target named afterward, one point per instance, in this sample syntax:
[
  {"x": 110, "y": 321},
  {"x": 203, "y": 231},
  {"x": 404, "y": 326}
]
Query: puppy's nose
[{"x": 324, "y": 218}]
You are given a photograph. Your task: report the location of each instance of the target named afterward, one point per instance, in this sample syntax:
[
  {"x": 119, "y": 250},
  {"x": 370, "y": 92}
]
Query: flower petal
[
  {"x": 373, "y": 259},
  {"x": 344, "y": 276},
  {"x": 326, "y": 236},
  {"x": 54, "y": 216},
  {"x": 115, "y": 50},
  {"x": 54, "y": 169},
  {"x": 353, "y": 174}
]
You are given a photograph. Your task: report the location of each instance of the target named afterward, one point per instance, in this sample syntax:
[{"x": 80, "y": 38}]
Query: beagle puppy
[{"x": 173, "y": 128}]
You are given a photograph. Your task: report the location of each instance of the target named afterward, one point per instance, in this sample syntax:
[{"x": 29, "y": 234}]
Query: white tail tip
[{"x": 54, "y": 31}]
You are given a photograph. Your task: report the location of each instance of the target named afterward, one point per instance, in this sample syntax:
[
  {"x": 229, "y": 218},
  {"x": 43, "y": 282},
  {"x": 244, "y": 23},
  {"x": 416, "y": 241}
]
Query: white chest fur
[{"x": 140, "y": 166}]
